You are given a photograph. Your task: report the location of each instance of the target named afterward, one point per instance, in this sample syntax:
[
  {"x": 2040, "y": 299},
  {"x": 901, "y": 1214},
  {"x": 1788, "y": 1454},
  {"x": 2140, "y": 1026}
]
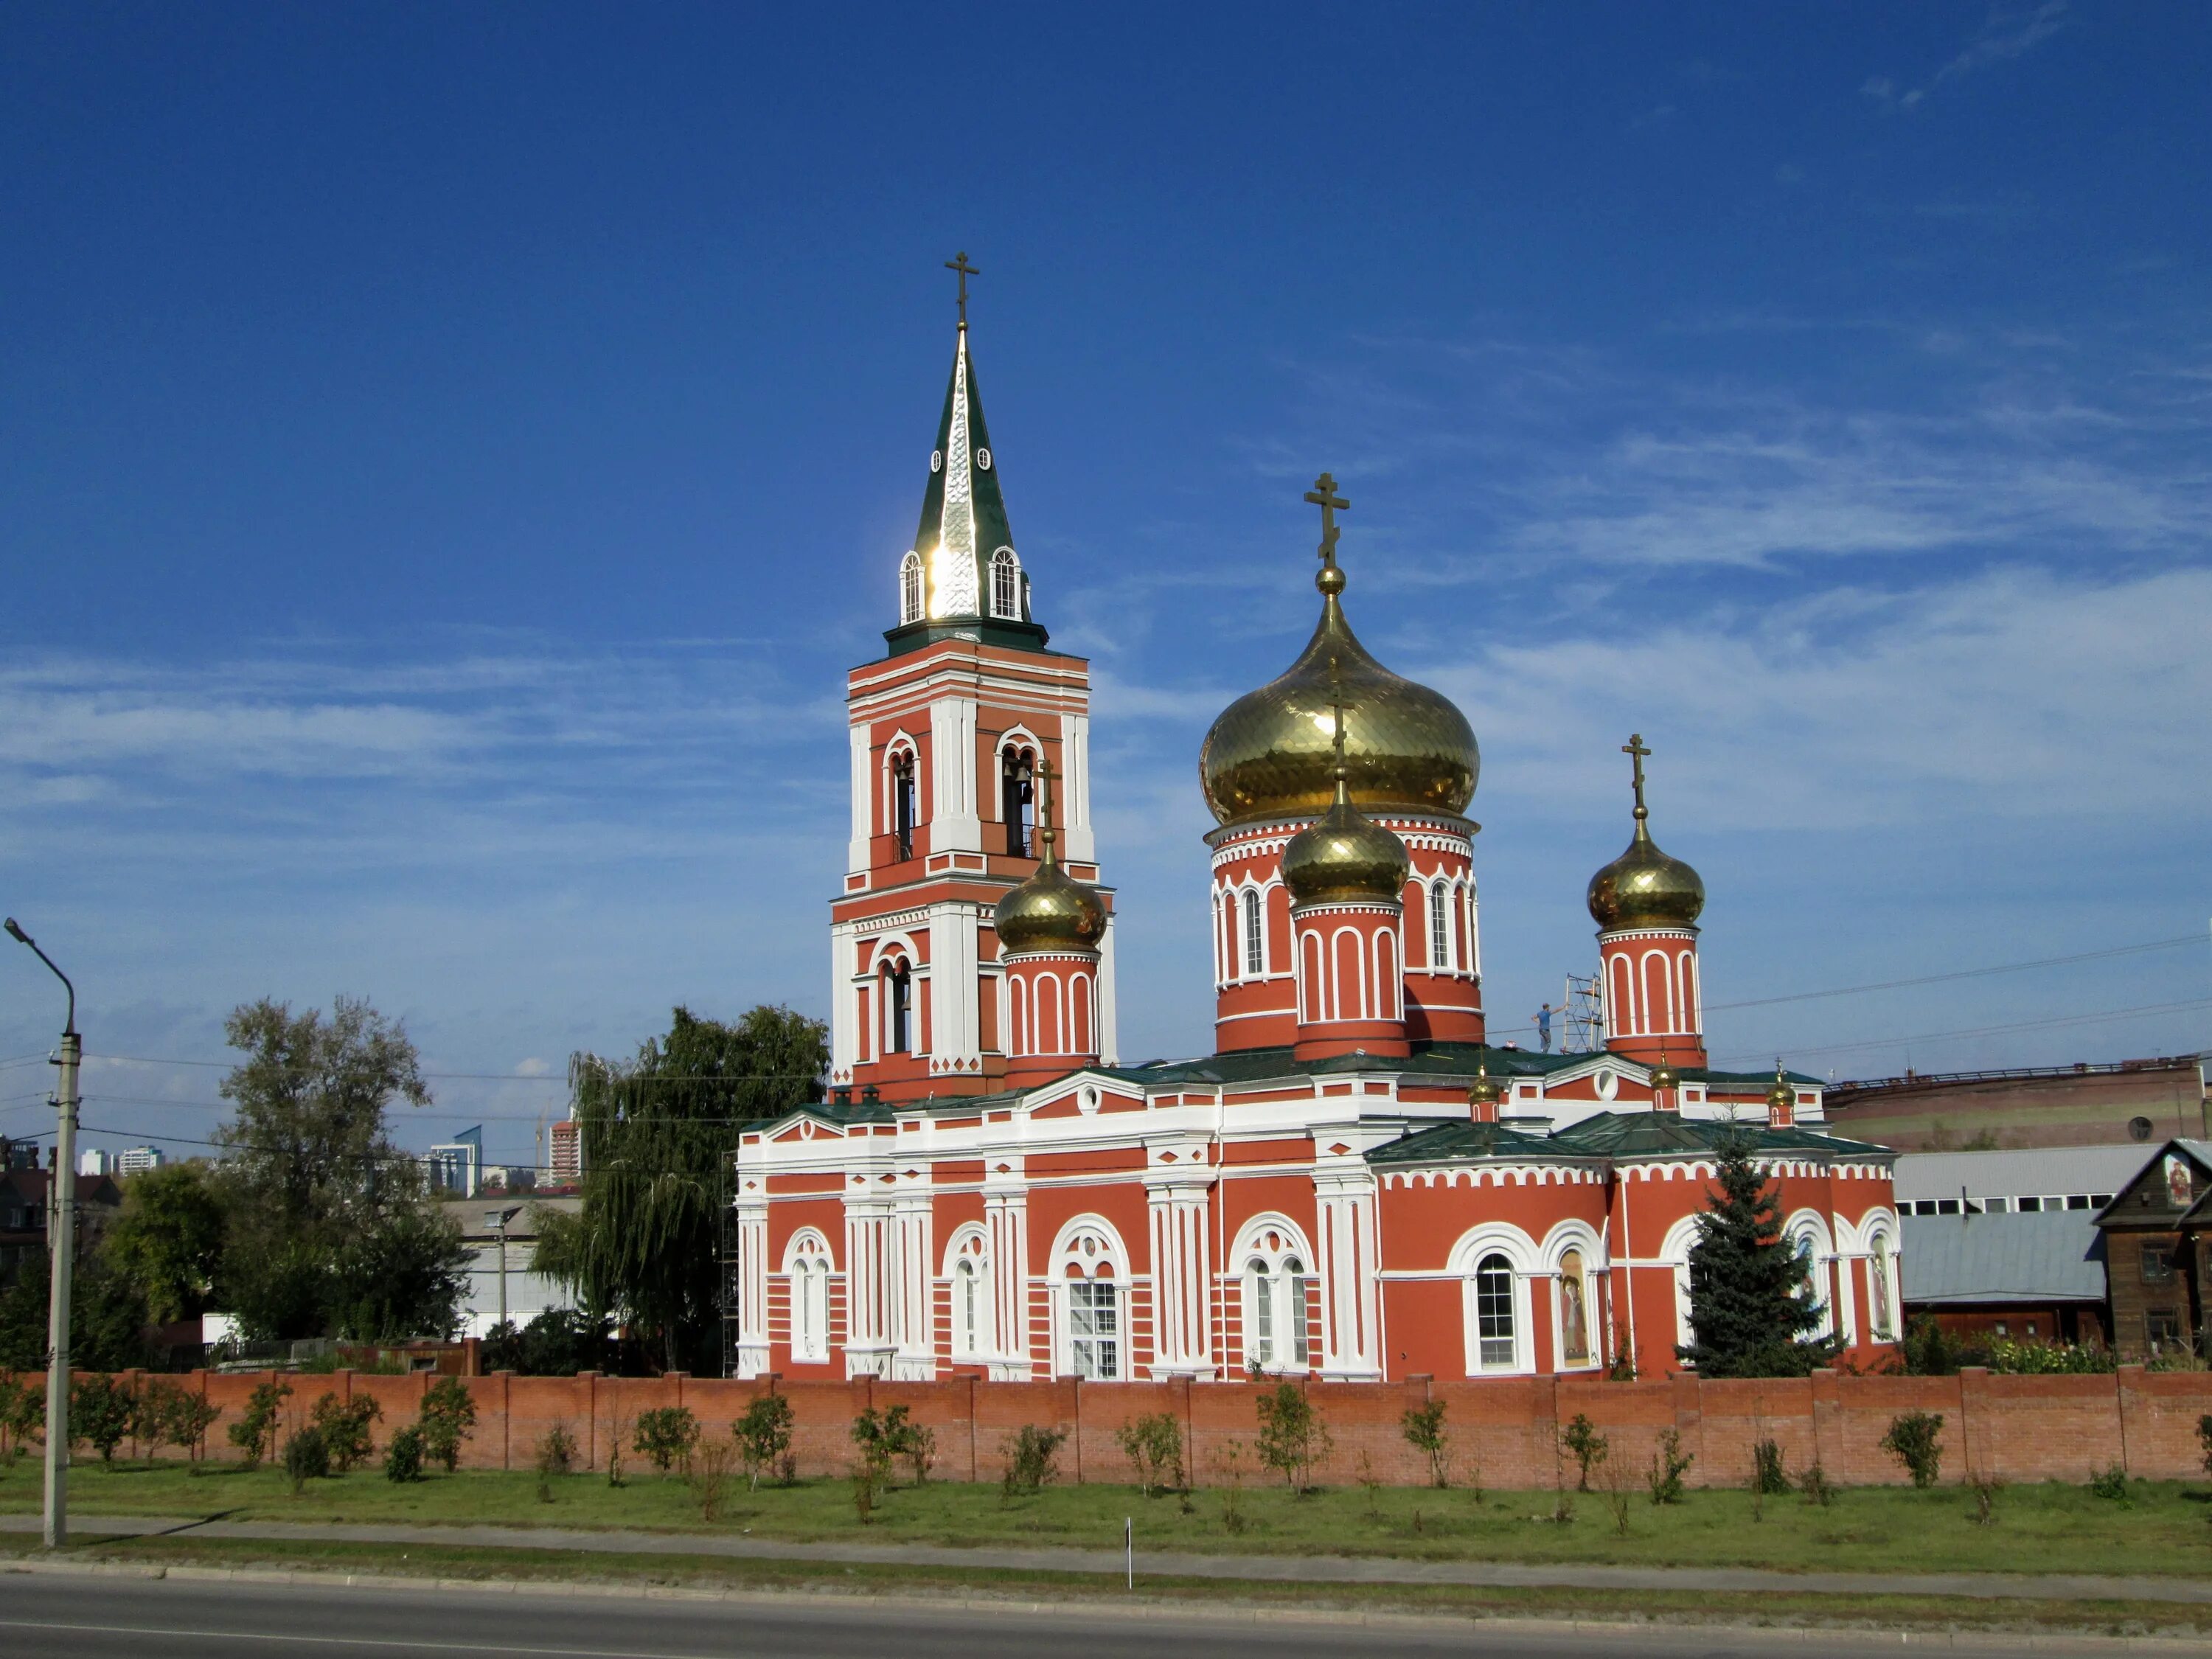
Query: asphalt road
[{"x": 115, "y": 1618}]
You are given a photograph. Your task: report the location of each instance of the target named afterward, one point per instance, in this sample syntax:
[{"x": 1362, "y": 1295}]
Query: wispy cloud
[{"x": 2008, "y": 34}]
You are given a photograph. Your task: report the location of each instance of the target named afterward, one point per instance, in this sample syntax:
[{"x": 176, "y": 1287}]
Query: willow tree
[{"x": 660, "y": 1138}]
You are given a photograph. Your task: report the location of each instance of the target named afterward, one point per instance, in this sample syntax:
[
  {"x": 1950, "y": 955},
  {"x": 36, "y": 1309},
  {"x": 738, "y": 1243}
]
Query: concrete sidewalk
[{"x": 1275, "y": 1569}]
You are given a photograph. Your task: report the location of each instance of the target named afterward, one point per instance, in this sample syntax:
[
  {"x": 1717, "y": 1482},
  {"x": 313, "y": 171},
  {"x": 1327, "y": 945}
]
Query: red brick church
[{"x": 1355, "y": 1184}]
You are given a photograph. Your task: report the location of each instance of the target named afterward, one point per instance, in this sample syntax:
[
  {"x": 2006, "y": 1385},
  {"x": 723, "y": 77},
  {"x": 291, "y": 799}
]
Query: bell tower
[{"x": 949, "y": 733}]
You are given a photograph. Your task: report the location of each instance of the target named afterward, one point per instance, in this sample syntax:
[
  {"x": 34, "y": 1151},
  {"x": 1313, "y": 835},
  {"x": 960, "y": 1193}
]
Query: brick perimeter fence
[{"x": 2008, "y": 1428}]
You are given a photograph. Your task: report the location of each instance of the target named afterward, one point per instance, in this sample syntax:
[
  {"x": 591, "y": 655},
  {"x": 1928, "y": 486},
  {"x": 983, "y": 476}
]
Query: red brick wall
[{"x": 2010, "y": 1428}]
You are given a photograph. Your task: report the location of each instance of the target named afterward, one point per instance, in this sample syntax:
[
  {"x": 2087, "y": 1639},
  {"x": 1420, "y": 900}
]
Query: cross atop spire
[
  {"x": 1635, "y": 751},
  {"x": 1323, "y": 495},
  {"x": 959, "y": 262},
  {"x": 1044, "y": 776}
]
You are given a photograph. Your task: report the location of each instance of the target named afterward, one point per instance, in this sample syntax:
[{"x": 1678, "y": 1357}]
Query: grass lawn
[{"x": 2164, "y": 1529}]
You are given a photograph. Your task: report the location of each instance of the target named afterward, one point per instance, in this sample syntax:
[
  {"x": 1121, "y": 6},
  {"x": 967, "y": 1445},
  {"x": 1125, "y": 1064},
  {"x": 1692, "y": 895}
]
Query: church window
[
  {"x": 1094, "y": 1328},
  {"x": 1255, "y": 955},
  {"x": 904, "y": 803},
  {"x": 966, "y": 1323},
  {"x": 809, "y": 1275},
  {"x": 1439, "y": 928},
  {"x": 1006, "y": 585},
  {"x": 1497, "y": 1348},
  {"x": 898, "y": 1006},
  {"x": 1276, "y": 1305},
  {"x": 910, "y": 589},
  {"x": 1017, "y": 800}
]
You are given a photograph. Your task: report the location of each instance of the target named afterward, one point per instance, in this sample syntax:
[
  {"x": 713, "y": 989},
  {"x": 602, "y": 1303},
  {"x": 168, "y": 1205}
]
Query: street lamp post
[{"x": 61, "y": 1248}]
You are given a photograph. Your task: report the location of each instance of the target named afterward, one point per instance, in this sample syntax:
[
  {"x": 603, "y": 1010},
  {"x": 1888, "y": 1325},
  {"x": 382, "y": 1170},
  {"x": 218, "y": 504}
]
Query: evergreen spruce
[{"x": 1750, "y": 1308}]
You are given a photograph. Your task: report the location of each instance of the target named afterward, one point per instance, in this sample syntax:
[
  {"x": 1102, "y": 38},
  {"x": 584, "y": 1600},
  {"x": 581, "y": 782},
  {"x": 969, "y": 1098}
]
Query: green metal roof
[
  {"x": 1469, "y": 1140},
  {"x": 1644, "y": 1134}
]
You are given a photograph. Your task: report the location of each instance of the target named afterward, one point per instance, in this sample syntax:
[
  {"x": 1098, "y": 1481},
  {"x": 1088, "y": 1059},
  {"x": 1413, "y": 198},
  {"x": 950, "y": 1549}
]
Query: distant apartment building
[
  {"x": 564, "y": 1159},
  {"x": 95, "y": 1162},
  {"x": 454, "y": 1169},
  {"x": 136, "y": 1160}
]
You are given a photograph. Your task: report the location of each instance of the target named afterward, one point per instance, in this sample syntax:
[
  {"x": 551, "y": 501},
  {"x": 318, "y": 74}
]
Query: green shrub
[
  {"x": 1815, "y": 1487},
  {"x": 2111, "y": 1483},
  {"x": 1768, "y": 1478},
  {"x": 2046, "y": 1358},
  {"x": 763, "y": 1435},
  {"x": 556, "y": 1451},
  {"x": 182, "y": 1418},
  {"x": 306, "y": 1457},
  {"x": 1032, "y": 1456},
  {"x": 666, "y": 1436},
  {"x": 1423, "y": 1429},
  {"x": 1292, "y": 1437},
  {"x": 1669, "y": 1463},
  {"x": 102, "y": 1411},
  {"x": 343, "y": 1424},
  {"x": 1586, "y": 1446},
  {"x": 255, "y": 1432},
  {"x": 23, "y": 1416},
  {"x": 1915, "y": 1440},
  {"x": 2205, "y": 1439},
  {"x": 1153, "y": 1445},
  {"x": 448, "y": 1418},
  {"x": 402, "y": 1455}
]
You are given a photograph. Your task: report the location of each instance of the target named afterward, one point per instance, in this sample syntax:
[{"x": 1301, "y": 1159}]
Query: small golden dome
[
  {"x": 1664, "y": 1077},
  {"x": 1643, "y": 887},
  {"x": 1781, "y": 1094},
  {"x": 1485, "y": 1090},
  {"x": 1269, "y": 753},
  {"x": 1346, "y": 857},
  {"x": 1051, "y": 910}
]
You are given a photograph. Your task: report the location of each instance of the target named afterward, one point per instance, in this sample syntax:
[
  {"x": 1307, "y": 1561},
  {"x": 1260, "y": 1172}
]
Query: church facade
[{"x": 1355, "y": 1184}]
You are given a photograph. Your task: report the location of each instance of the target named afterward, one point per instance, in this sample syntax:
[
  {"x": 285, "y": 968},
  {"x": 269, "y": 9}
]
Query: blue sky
[{"x": 448, "y": 458}]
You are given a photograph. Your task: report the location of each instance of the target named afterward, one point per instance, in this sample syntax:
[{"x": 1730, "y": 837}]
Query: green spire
[{"x": 949, "y": 583}]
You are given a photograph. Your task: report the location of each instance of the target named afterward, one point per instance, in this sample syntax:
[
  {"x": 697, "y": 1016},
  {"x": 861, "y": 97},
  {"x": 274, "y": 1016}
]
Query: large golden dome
[
  {"x": 1269, "y": 754},
  {"x": 1050, "y": 911}
]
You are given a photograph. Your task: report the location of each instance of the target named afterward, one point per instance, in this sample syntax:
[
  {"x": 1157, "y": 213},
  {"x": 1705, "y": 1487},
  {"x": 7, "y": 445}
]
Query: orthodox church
[{"x": 1355, "y": 1184}]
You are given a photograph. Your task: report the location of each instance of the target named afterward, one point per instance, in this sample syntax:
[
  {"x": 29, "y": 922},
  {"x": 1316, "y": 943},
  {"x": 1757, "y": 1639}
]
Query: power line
[
  {"x": 561, "y": 1082},
  {"x": 1964, "y": 973},
  {"x": 1993, "y": 1030}
]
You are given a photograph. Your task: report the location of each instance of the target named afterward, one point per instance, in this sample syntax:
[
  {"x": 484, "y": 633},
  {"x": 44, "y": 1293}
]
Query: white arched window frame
[
  {"x": 968, "y": 1269},
  {"x": 1882, "y": 1277},
  {"x": 1849, "y": 1249},
  {"x": 1576, "y": 1240},
  {"x": 1815, "y": 1252},
  {"x": 910, "y": 589},
  {"x": 1440, "y": 940},
  {"x": 898, "y": 997},
  {"x": 1090, "y": 1301},
  {"x": 806, "y": 1267},
  {"x": 901, "y": 788},
  {"x": 1251, "y": 909},
  {"x": 1274, "y": 1266},
  {"x": 1005, "y": 585},
  {"x": 1674, "y": 1251},
  {"x": 1495, "y": 1264}
]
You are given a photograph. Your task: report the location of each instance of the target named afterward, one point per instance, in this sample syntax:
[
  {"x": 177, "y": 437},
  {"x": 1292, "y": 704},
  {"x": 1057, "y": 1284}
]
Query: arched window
[
  {"x": 1017, "y": 800},
  {"x": 1493, "y": 1313},
  {"x": 807, "y": 1271},
  {"x": 963, "y": 1308},
  {"x": 1879, "y": 1290},
  {"x": 910, "y": 589},
  {"x": 972, "y": 1323},
  {"x": 1090, "y": 1267},
  {"x": 1439, "y": 928},
  {"x": 898, "y": 1009},
  {"x": 1255, "y": 951},
  {"x": 1277, "y": 1306},
  {"x": 1574, "y": 1310},
  {"x": 1006, "y": 585},
  {"x": 904, "y": 801}
]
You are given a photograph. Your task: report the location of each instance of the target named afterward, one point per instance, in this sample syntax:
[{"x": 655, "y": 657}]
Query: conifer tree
[{"x": 1750, "y": 1308}]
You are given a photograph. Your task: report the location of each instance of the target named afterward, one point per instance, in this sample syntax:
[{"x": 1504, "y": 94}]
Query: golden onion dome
[
  {"x": 1485, "y": 1091},
  {"x": 1345, "y": 857},
  {"x": 1269, "y": 753},
  {"x": 1781, "y": 1094},
  {"x": 1051, "y": 910},
  {"x": 1643, "y": 887}
]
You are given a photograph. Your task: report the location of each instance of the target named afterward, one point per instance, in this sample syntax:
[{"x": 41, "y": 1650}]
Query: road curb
[{"x": 1166, "y": 1609}]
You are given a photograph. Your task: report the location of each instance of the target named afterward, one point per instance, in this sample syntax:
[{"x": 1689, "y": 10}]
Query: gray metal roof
[
  {"x": 2029, "y": 1170},
  {"x": 2056, "y": 1255}
]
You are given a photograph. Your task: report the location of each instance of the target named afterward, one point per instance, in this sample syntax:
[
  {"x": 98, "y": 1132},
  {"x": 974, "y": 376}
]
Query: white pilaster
[
  {"x": 750, "y": 1221},
  {"x": 956, "y": 1033},
  {"x": 911, "y": 1279},
  {"x": 1352, "y": 1348},
  {"x": 954, "y": 825},
  {"x": 867, "y": 1342},
  {"x": 844, "y": 1001},
  {"x": 1181, "y": 1274},
  {"x": 1075, "y": 758},
  {"x": 1006, "y": 1217},
  {"x": 1109, "y": 1042},
  {"x": 863, "y": 801}
]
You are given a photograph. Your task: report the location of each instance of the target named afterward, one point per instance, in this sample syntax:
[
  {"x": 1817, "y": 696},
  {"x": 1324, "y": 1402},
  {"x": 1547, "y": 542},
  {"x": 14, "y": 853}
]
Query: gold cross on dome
[
  {"x": 1045, "y": 774},
  {"x": 1323, "y": 495},
  {"x": 1635, "y": 751},
  {"x": 959, "y": 262}
]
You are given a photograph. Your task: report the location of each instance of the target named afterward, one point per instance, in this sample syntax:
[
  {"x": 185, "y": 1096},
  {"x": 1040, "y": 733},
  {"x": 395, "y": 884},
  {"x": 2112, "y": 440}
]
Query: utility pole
[{"x": 61, "y": 1248}]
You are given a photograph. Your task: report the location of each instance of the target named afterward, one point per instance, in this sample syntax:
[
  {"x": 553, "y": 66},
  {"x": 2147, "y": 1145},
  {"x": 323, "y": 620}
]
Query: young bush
[
  {"x": 1230, "y": 1460},
  {"x": 557, "y": 1456},
  {"x": 1767, "y": 1474},
  {"x": 1915, "y": 1440},
  {"x": 876, "y": 1436},
  {"x": 710, "y": 1476},
  {"x": 186, "y": 1418},
  {"x": 1586, "y": 1446},
  {"x": 448, "y": 1418},
  {"x": 101, "y": 1413},
  {"x": 1986, "y": 1492},
  {"x": 345, "y": 1427},
  {"x": 666, "y": 1436},
  {"x": 2111, "y": 1483},
  {"x": 1292, "y": 1436},
  {"x": 1423, "y": 1429},
  {"x": 1153, "y": 1445},
  {"x": 762, "y": 1435},
  {"x": 1032, "y": 1456},
  {"x": 23, "y": 1416},
  {"x": 2205, "y": 1439},
  {"x": 255, "y": 1432},
  {"x": 901, "y": 1436},
  {"x": 1669, "y": 1463},
  {"x": 403, "y": 1456},
  {"x": 306, "y": 1457},
  {"x": 1815, "y": 1487}
]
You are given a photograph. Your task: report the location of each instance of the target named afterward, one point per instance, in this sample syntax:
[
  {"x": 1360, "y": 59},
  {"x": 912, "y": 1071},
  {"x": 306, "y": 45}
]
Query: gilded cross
[
  {"x": 1044, "y": 775},
  {"x": 959, "y": 262},
  {"x": 1635, "y": 751},
  {"x": 1323, "y": 495},
  {"x": 1337, "y": 703}
]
